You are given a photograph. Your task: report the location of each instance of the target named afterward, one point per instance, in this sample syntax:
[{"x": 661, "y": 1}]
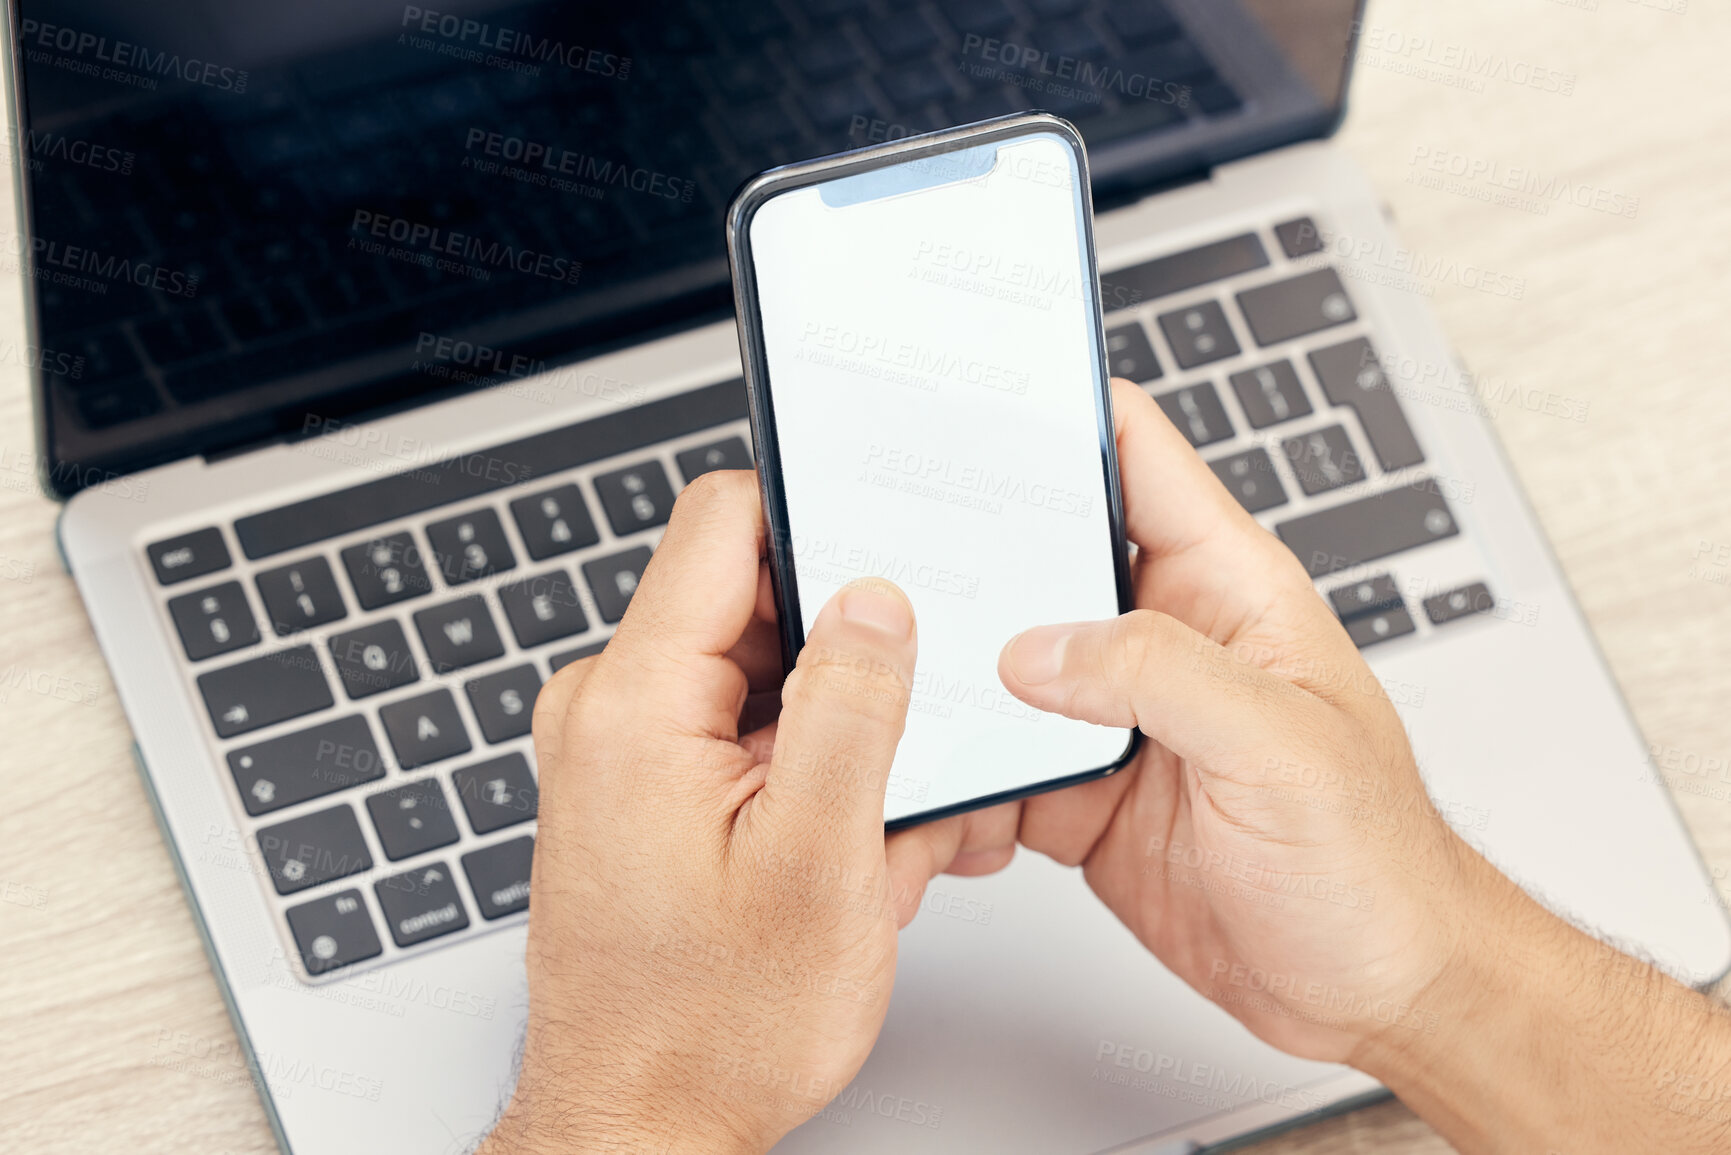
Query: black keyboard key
[
  {"x": 902, "y": 35},
  {"x": 504, "y": 703},
  {"x": 214, "y": 621},
  {"x": 981, "y": 17},
  {"x": 425, "y": 729},
  {"x": 1369, "y": 629},
  {"x": 554, "y": 522},
  {"x": 1323, "y": 459},
  {"x": 459, "y": 634},
  {"x": 1141, "y": 22},
  {"x": 825, "y": 55},
  {"x": 386, "y": 570},
  {"x": 499, "y": 876},
  {"x": 1250, "y": 478},
  {"x": 334, "y": 931},
  {"x": 181, "y": 337},
  {"x": 614, "y": 579},
  {"x": 306, "y": 764},
  {"x": 388, "y": 499},
  {"x": 412, "y": 819},
  {"x": 421, "y": 904},
  {"x": 912, "y": 86},
  {"x": 559, "y": 661},
  {"x": 191, "y": 555},
  {"x": 1295, "y": 308},
  {"x": 300, "y": 596},
  {"x": 1369, "y": 528},
  {"x": 728, "y": 453},
  {"x": 498, "y": 793},
  {"x": 469, "y": 547},
  {"x": 1199, "y": 335},
  {"x": 1270, "y": 394},
  {"x": 1374, "y": 593},
  {"x": 1461, "y": 603},
  {"x": 543, "y": 608},
  {"x": 1299, "y": 238},
  {"x": 1214, "y": 96},
  {"x": 1071, "y": 38},
  {"x": 304, "y": 852},
  {"x": 264, "y": 691},
  {"x": 638, "y": 497},
  {"x": 1198, "y": 414},
  {"x": 112, "y": 403},
  {"x": 1187, "y": 270},
  {"x": 1130, "y": 354},
  {"x": 835, "y": 106},
  {"x": 1351, "y": 375},
  {"x": 373, "y": 659}
]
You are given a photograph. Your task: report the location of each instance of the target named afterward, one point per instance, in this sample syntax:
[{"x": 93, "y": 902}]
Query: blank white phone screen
[{"x": 933, "y": 375}]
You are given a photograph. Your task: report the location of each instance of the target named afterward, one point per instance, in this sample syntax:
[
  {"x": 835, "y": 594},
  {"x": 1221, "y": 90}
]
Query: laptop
[{"x": 373, "y": 341}]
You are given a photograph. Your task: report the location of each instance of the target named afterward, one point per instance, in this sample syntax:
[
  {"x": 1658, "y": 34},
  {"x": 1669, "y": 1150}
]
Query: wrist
[
  {"x": 1486, "y": 969},
  {"x": 556, "y": 1111}
]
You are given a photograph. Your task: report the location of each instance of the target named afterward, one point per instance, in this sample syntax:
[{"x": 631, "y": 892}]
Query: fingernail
[
  {"x": 1037, "y": 656},
  {"x": 880, "y": 609}
]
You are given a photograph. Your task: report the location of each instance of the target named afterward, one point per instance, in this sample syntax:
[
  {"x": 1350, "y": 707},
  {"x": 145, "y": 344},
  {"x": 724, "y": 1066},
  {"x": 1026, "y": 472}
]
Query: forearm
[{"x": 1547, "y": 1041}]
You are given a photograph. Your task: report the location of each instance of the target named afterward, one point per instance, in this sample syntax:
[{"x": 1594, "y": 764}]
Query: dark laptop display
[{"x": 247, "y": 220}]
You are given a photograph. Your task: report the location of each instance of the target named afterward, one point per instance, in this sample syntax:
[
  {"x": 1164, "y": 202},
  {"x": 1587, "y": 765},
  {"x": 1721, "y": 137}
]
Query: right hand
[{"x": 1273, "y": 843}]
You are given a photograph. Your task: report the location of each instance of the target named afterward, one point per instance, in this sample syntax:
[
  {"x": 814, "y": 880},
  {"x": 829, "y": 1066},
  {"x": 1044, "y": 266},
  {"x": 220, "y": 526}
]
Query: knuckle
[
  {"x": 854, "y": 679},
  {"x": 1133, "y": 646},
  {"x": 718, "y": 489}
]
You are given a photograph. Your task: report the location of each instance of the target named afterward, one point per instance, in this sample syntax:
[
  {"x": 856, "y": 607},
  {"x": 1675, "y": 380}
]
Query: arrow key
[{"x": 412, "y": 819}]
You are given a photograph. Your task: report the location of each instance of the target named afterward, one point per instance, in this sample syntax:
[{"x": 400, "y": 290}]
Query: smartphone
[{"x": 921, "y": 330}]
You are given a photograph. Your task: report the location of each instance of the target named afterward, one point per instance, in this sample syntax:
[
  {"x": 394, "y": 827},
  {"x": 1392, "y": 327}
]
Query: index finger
[
  {"x": 694, "y": 603},
  {"x": 1194, "y": 540}
]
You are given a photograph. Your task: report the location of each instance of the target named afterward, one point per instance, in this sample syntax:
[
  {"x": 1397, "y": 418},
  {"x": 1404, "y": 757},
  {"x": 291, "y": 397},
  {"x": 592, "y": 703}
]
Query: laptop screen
[{"x": 249, "y": 219}]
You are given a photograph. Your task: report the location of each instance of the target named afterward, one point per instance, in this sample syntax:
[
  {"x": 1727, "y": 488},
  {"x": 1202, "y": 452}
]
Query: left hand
[{"x": 713, "y": 913}]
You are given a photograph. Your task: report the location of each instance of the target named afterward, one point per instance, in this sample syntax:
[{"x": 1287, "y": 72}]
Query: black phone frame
[{"x": 787, "y": 178}]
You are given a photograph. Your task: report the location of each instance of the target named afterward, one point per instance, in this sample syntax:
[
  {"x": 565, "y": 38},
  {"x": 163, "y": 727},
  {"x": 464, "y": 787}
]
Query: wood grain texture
[{"x": 112, "y": 1032}]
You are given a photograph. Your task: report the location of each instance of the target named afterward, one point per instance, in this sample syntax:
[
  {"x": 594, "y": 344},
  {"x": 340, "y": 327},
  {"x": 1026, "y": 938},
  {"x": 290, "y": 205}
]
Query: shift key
[{"x": 1370, "y": 528}]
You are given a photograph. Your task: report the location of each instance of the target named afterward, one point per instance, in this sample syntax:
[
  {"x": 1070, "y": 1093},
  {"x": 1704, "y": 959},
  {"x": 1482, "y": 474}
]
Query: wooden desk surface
[{"x": 1624, "y": 314}]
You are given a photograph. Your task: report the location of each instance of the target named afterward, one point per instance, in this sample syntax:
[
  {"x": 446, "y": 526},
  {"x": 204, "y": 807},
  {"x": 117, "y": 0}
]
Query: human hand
[
  {"x": 713, "y": 913},
  {"x": 1273, "y": 844}
]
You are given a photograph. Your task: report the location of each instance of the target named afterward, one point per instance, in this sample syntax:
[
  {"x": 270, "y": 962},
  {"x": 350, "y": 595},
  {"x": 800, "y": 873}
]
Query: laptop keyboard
[
  {"x": 385, "y": 644},
  {"x": 1258, "y": 354},
  {"x": 376, "y": 724}
]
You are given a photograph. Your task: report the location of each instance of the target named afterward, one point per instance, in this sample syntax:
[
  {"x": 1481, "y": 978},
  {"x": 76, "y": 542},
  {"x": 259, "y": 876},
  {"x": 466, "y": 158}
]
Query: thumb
[
  {"x": 1150, "y": 670},
  {"x": 842, "y": 712}
]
